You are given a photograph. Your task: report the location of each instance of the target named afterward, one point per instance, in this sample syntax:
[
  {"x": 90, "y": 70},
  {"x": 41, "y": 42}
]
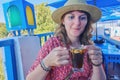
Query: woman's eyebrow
[{"x": 80, "y": 15}]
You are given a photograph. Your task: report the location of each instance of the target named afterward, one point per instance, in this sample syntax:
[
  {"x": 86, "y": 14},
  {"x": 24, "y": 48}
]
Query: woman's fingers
[
  {"x": 95, "y": 55},
  {"x": 92, "y": 47},
  {"x": 59, "y": 51},
  {"x": 97, "y": 62},
  {"x": 63, "y": 62},
  {"x": 59, "y": 56},
  {"x": 65, "y": 57}
]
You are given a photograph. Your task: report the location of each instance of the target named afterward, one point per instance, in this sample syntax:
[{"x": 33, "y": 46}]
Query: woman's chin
[{"x": 76, "y": 35}]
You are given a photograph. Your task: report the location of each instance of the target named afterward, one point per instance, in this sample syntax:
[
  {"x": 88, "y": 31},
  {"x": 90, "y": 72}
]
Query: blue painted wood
[
  {"x": 12, "y": 49},
  {"x": 44, "y": 36},
  {"x": 10, "y": 60},
  {"x": 18, "y": 6},
  {"x": 8, "y": 63},
  {"x": 5, "y": 42}
]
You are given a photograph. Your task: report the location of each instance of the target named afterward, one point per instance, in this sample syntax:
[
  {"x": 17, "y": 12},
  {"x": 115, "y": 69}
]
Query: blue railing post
[
  {"x": 45, "y": 36},
  {"x": 10, "y": 60}
]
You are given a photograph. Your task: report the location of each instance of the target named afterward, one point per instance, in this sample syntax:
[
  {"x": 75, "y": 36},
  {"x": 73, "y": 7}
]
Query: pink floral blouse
[{"x": 59, "y": 73}]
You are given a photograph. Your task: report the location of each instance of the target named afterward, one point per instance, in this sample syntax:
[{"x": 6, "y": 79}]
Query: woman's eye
[
  {"x": 71, "y": 17},
  {"x": 83, "y": 18}
]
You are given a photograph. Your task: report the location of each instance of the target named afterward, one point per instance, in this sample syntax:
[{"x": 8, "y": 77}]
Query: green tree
[
  {"x": 3, "y": 31},
  {"x": 43, "y": 19},
  {"x": 2, "y": 76}
]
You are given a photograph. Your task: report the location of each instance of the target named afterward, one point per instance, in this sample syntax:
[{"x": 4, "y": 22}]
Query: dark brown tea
[{"x": 77, "y": 57}]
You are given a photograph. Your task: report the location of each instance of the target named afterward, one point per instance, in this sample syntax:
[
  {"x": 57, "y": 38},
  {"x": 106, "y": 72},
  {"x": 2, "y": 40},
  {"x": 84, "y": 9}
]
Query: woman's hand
[
  {"x": 57, "y": 57},
  {"x": 95, "y": 55}
]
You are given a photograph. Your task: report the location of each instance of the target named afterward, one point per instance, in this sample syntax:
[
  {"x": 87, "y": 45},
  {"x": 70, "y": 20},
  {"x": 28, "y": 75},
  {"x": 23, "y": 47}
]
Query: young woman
[{"x": 54, "y": 59}]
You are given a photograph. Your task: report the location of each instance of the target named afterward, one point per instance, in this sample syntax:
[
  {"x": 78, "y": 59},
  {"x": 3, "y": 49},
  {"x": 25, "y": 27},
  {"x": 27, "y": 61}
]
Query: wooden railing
[
  {"x": 44, "y": 36},
  {"x": 10, "y": 61}
]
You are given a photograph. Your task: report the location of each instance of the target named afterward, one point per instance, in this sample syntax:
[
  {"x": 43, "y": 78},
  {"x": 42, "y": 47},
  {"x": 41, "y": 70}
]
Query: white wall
[{"x": 26, "y": 50}]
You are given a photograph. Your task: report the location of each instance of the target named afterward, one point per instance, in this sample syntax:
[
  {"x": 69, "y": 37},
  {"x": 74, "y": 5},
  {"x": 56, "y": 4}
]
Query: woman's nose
[{"x": 77, "y": 21}]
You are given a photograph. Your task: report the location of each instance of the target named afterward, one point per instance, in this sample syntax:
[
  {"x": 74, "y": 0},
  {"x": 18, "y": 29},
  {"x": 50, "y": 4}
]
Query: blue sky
[{"x": 31, "y": 1}]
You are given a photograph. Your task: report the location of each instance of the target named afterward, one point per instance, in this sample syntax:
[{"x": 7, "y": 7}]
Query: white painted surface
[{"x": 26, "y": 51}]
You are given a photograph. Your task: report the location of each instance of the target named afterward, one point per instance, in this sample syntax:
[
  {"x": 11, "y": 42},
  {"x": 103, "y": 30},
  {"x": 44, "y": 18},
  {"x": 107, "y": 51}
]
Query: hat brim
[{"x": 92, "y": 10}]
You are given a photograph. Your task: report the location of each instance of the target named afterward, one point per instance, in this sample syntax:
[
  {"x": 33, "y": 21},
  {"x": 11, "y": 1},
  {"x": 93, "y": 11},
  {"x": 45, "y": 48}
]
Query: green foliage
[
  {"x": 43, "y": 19},
  {"x": 2, "y": 77},
  {"x": 3, "y": 31}
]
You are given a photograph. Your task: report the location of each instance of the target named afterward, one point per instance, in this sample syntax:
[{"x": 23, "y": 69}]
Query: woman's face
[{"x": 75, "y": 23}]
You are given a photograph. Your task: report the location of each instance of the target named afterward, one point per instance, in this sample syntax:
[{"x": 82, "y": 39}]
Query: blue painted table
[{"x": 111, "y": 54}]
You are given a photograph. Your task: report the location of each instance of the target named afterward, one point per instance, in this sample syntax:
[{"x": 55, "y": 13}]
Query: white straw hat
[{"x": 71, "y": 5}]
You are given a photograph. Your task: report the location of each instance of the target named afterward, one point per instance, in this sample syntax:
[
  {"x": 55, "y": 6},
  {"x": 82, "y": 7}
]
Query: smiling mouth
[{"x": 77, "y": 29}]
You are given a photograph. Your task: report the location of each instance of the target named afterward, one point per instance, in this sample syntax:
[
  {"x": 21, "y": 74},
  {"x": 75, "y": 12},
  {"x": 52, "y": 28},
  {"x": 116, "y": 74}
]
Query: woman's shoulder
[
  {"x": 52, "y": 41},
  {"x": 54, "y": 38}
]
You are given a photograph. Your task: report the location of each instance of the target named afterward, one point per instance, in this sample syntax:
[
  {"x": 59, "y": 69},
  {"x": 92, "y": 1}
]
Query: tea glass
[{"x": 77, "y": 55}]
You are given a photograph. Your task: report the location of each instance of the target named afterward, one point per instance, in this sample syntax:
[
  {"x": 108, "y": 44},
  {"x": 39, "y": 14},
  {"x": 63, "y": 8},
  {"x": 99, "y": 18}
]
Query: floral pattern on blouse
[{"x": 59, "y": 73}]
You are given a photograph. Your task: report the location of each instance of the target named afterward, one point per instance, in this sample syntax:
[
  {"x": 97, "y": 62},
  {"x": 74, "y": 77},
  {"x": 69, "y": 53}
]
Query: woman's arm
[
  {"x": 96, "y": 58},
  {"x": 52, "y": 55},
  {"x": 38, "y": 73},
  {"x": 98, "y": 73}
]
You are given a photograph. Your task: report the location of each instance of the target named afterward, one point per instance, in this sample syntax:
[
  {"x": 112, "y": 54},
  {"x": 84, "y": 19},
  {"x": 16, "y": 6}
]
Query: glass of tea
[{"x": 77, "y": 55}]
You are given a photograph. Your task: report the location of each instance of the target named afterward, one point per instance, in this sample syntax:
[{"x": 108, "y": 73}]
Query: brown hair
[{"x": 84, "y": 37}]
